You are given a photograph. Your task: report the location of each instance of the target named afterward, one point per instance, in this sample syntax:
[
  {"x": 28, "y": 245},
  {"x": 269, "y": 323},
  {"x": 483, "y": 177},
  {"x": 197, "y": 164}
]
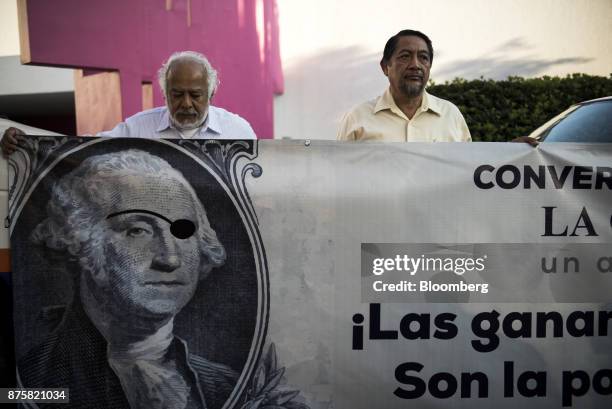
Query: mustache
[
  {"x": 186, "y": 112},
  {"x": 414, "y": 72}
]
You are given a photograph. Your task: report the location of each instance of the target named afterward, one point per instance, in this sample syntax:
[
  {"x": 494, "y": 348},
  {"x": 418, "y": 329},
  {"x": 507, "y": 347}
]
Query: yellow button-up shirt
[{"x": 380, "y": 119}]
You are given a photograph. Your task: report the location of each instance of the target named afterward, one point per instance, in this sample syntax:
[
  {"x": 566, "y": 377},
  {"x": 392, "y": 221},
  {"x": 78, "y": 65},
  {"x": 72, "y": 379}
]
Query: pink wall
[{"x": 240, "y": 38}]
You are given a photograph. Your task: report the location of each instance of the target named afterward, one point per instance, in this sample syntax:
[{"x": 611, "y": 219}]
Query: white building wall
[
  {"x": 330, "y": 49},
  {"x": 9, "y": 30}
]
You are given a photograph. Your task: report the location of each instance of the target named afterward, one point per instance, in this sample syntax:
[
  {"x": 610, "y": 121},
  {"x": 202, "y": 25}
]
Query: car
[{"x": 588, "y": 121}]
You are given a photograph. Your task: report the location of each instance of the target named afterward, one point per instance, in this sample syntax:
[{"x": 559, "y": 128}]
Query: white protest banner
[{"x": 293, "y": 274}]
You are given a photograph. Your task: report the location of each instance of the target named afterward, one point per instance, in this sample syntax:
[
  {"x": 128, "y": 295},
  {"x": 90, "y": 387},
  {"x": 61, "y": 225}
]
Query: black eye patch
[{"x": 181, "y": 228}]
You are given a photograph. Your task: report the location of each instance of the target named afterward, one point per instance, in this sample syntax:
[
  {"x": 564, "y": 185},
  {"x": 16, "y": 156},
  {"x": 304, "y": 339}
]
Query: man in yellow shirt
[{"x": 406, "y": 112}]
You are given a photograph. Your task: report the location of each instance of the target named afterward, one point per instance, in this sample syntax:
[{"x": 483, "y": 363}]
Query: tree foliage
[{"x": 502, "y": 110}]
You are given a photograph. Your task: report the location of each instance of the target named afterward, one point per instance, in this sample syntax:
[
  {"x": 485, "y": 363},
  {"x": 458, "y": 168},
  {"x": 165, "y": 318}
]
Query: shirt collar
[
  {"x": 430, "y": 103},
  {"x": 211, "y": 123},
  {"x": 386, "y": 101},
  {"x": 164, "y": 122}
]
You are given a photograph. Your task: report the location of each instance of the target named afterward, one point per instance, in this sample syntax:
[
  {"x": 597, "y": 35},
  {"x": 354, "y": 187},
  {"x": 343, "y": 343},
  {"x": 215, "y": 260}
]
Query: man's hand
[
  {"x": 10, "y": 140},
  {"x": 526, "y": 139}
]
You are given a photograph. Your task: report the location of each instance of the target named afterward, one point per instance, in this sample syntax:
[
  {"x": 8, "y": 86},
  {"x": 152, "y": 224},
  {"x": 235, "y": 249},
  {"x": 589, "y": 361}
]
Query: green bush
[{"x": 502, "y": 110}]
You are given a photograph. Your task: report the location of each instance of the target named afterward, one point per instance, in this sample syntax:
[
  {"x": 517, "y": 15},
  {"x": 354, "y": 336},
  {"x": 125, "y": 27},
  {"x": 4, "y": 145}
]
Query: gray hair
[
  {"x": 211, "y": 73},
  {"x": 77, "y": 205}
]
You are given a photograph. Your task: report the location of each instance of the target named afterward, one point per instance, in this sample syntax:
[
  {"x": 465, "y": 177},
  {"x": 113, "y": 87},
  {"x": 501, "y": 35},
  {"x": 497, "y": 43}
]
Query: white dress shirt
[
  {"x": 381, "y": 120},
  {"x": 155, "y": 123}
]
